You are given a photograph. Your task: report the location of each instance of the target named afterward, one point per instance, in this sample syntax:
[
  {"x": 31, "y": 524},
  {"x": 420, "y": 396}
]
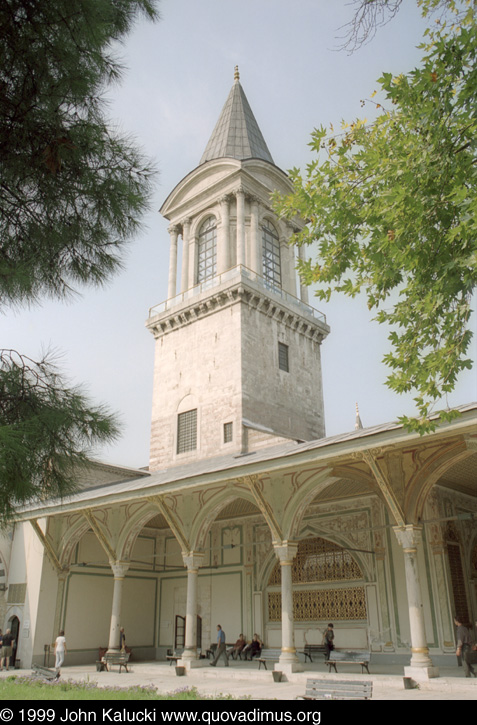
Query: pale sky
[{"x": 178, "y": 74}]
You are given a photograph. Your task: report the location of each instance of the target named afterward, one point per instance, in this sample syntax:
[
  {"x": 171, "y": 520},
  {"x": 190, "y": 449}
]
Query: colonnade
[{"x": 409, "y": 537}]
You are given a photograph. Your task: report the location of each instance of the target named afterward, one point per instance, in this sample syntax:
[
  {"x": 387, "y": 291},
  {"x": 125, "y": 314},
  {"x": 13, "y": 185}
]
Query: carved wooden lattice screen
[
  {"x": 458, "y": 582},
  {"x": 320, "y": 561}
]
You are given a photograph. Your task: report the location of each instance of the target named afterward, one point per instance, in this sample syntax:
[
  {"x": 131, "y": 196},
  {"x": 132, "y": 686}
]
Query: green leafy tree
[
  {"x": 72, "y": 192},
  {"x": 392, "y": 210}
]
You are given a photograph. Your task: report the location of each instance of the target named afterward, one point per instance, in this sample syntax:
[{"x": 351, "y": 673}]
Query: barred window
[
  {"x": 228, "y": 432},
  {"x": 283, "y": 357},
  {"x": 187, "y": 431},
  {"x": 207, "y": 250},
  {"x": 271, "y": 256}
]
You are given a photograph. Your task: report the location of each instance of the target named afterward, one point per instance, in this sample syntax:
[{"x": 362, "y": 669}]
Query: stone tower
[{"x": 237, "y": 359}]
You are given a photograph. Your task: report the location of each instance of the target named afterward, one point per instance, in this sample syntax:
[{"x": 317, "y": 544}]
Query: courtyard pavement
[{"x": 244, "y": 679}]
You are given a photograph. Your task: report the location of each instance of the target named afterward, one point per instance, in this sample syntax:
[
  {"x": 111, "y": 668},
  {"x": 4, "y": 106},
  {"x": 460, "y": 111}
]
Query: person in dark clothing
[
  {"x": 253, "y": 649},
  {"x": 7, "y": 649},
  {"x": 328, "y": 637},
  {"x": 464, "y": 647}
]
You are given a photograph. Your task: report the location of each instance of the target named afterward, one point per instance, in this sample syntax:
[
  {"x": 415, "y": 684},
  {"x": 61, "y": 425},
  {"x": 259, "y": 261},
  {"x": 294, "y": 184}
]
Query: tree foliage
[
  {"x": 392, "y": 208},
  {"x": 72, "y": 192},
  {"x": 46, "y": 433}
]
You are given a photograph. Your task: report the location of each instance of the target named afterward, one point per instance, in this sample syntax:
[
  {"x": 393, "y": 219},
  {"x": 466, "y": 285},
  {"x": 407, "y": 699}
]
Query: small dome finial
[{"x": 236, "y": 74}]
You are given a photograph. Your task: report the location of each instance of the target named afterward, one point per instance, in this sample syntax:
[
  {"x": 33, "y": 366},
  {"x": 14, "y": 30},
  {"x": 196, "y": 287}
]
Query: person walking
[
  {"x": 464, "y": 647},
  {"x": 60, "y": 651},
  {"x": 221, "y": 649}
]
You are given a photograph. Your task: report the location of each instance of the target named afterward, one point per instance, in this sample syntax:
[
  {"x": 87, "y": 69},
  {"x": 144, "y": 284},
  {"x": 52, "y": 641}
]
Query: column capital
[
  {"x": 409, "y": 537},
  {"x": 173, "y": 230},
  {"x": 119, "y": 568},
  {"x": 193, "y": 560},
  {"x": 286, "y": 551}
]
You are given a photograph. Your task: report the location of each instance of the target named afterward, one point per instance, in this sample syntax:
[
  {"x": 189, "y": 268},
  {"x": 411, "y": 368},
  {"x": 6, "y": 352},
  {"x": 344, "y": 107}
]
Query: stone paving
[{"x": 243, "y": 679}]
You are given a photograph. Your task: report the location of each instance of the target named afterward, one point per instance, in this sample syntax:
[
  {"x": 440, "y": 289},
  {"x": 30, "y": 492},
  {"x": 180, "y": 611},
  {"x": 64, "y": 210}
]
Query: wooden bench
[
  {"x": 314, "y": 649},
  {"x": 338, "y": 690},
  {"x": 45, "y": 672},
  {"x": 116, "y": 658},
  {"x": 349, "y": 657},
  {"x": 268, "y": 655}
]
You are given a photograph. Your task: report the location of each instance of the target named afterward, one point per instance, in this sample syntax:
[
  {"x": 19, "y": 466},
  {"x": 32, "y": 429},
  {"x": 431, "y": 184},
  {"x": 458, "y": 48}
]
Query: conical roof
[{"x": 236, "y": 133}]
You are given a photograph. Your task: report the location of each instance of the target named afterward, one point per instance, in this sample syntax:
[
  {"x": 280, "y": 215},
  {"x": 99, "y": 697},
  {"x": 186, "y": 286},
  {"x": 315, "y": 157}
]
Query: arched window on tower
[
  {"x": 271, "y": 256},
  {"x": 207, "y": 250}
]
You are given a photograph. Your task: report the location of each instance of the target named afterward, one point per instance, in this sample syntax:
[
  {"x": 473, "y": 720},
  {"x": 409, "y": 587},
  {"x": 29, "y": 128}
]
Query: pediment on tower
[{"x": 214, "y": 179}]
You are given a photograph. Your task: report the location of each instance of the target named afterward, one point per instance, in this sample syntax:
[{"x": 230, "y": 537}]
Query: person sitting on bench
[
  {"x": 254, "y": 648},
  {"x": 237, "y": 648}
]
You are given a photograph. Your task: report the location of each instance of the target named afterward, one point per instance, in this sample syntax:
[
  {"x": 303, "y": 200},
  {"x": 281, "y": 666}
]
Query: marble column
[
  {"x": 241, "y": 256},
  {"x": 223, "y": 248},
  {"x": 185, "y": 255},
  {"x": 192, "y": 561},
  {"x": 119, "y": 570},
  {"x": 171, "y": 289},
  {"x": 288, "y": 662},
  {"x": 60, "y": 593},
  {"x": 421, "y": 666},
  {"x": 303, "y": 287}
]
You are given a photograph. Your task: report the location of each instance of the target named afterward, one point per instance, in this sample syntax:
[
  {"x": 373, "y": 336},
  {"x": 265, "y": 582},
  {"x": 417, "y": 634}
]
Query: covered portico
[{"x": 203, "y": 539}]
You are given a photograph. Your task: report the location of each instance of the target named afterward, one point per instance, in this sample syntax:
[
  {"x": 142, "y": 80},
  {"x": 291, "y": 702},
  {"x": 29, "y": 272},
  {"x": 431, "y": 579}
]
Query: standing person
[
  {"x": 122, "y": 640},
  {"x": 221, "y": 649},
  {"x": 7, "y": 648},
  {"x": 328, "y": 637},
  {"x": 464, "y": 647},
  {"x": 60, "y": 651}
]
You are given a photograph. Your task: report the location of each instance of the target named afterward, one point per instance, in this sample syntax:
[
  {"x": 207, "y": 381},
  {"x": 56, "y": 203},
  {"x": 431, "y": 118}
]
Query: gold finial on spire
[
  {"x": 358, "y": 424},
  {"x": 236, "y": 74}
]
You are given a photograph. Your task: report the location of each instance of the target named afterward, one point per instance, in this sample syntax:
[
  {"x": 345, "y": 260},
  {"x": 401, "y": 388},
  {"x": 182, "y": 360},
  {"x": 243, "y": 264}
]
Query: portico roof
[{"x": 280, "y": 457}]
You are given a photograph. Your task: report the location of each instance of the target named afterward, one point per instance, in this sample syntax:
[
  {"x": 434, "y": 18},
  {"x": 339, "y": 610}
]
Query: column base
[
  {"x": 190, "y": 664},
  {"x": 421, "y": 674},
  {"x": 288, "y": 668}
]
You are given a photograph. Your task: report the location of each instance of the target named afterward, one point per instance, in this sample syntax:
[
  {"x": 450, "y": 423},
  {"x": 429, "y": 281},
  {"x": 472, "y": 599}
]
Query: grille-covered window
[
  {"x": 228, "y": 432},
  {"x": 271, "y": 256},
  {"x": 187, "y": 431},
  {"x": 283, "y": 357},
  {"x": 207, "y": 250}
]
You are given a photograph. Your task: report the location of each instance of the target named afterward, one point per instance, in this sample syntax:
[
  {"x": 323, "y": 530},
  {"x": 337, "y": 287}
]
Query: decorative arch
[
  {"x": 328, "y": 584},
  {"x": 301, "y": 498},
  {"x": 429, "y": 474},
  {"x": 73, "y": 535},
  {"x": 211, "y": 510},
  {"x": 135, "y": 525}
]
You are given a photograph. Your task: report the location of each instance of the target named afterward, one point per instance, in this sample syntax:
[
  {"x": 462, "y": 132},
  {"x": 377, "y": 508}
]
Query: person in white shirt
[{"x": 60, "y": 650}]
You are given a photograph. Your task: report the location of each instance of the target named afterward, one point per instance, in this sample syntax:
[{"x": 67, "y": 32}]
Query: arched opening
[
  {"x": 328, "y": 585},
  {"x": 207, "y": 250}
]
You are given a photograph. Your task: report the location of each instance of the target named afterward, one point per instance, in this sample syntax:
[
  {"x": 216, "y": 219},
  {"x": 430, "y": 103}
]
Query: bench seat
[
  {"x": 314, "y": 649},
  {"x": 337, "y": 690},
  {"x": 116, "y": 658},
  {"x": 349, "y": 657},
  {"x": 268, "y": 655}
]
